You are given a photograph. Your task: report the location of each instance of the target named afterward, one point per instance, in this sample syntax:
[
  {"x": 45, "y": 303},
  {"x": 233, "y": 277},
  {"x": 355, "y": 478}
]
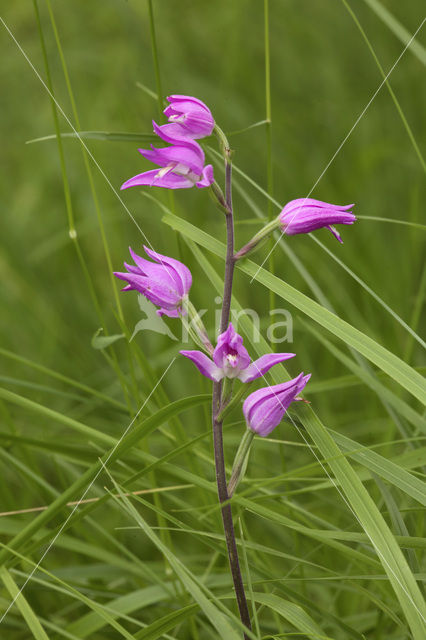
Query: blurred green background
[{"x": 323, "y": 75}]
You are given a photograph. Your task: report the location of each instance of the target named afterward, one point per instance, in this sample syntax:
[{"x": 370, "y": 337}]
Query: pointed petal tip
[{"x": 120, "y": 274}]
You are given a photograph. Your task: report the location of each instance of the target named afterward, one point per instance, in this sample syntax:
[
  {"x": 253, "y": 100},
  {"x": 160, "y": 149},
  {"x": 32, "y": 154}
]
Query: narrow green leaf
[
  {"x": 293, "y": 613},
  {"x": 129, "y": 603},
  {"x": 21, "y": 602},
  {"x": 371, "y": 381},
  {"x": 158, "y": 628},
  {"x": 398, "y": 29},
  {"x": 59, "y": 376},
  {"x": 393, "y": 473},
  {"x": 116, "y": 136}
]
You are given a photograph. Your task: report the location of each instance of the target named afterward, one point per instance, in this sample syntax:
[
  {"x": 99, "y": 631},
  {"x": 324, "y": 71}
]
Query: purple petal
[
  {"x": 306, "y": 202},
  {"x": 171, "y": 313},
  {"x": 265, "y": 408},
  {"x": 179, "y": 154},
  {"x": 151, "y": 179},
  {"x": 159, "y": 274},
  {"x": 306, "y": 214},
  {"x": 159, "y": 293},
  {"x": 207, "y": 177},
  {"x": 260, "y": 366},
  {"x": 173, "y": 133},
  {"x": 188, "y": 118},
  {"x": 205, "y": 366},
  {"x": 230, "y": 343},
  {"x": 335, "y": 233},
  {"x": 166, "y": 133},
  {"x": 183, "y": 277},
  {"x": 177, "y": 98}
]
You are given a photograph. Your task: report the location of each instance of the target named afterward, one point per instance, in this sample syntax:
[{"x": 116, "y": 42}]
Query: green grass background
[{"x": 323, "y": 75}]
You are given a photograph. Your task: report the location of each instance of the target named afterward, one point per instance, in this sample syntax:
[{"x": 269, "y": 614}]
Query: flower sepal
[
  {"x": 223, "y": 143},
  {"x": 218, "y": 197}
]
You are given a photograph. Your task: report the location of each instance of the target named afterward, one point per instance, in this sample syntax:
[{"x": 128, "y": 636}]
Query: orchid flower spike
[
  {"x": 265, "y": 408},
  {"x": 188, "y": 118},
  {"x": 165, "y": 282},
  {"x": 182, "y": 165},
  {"x": 306, "y": 214},
  {"x": 231, "y": 359}
]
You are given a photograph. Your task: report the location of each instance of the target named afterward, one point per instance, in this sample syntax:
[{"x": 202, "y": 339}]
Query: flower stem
[
  {"x": 257, "y": 238},
  {"x": 219, "y": 458}
]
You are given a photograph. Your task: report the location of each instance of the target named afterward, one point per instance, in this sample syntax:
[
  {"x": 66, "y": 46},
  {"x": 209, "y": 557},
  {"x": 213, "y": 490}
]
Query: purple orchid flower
[
  {"x": 188, "y": 118},
  {"x": 264, "y": 409},
  {"x": 166, "y": 283},
  {"x": 231, "y": 359},
  {"x": 306, "y": 214},
  {"x": 182, "y": 165}
]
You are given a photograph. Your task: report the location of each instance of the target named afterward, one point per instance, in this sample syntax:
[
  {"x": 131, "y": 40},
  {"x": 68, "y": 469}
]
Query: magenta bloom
[
  {"x": 182, "y": 165},
  {"x": 188, "y": 118},
  {"x": 264, "y": 409},
  {"x": 306, "y": 214},
  {"x": 231, "y": 359},
  {"x": 165, "y": 283}
]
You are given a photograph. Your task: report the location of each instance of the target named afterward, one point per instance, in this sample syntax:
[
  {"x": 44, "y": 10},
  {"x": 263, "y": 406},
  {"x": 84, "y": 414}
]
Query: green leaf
[
  {"x": 59, "y": 376},
  {"x": 129, "y": 603},
  {"x": 371, "y": 381},
  {"x": 19, "y": 599},
  {"x": 293, "y": 613},
  {"x": 393, "y": 473},
  {"x": 158, "y": 628},
  {"x": 112, "y": 136}
]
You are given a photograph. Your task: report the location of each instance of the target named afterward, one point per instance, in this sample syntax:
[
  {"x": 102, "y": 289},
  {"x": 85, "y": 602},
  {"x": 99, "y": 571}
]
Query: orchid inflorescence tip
[{"x": 166, "y": 282}]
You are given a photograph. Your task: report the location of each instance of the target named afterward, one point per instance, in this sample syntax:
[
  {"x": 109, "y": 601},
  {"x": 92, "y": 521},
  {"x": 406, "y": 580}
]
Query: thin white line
[
  {"x": 102, "y": 172},
  {"x": 339, "y": 148},
  {"x": 103, "y": 466},
  {"x": 345, "y": 500}
]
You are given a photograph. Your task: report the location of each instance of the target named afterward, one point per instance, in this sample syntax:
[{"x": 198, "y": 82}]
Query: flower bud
[
  {"x": 306, "y": 214},
  {"x": 265, "y": 408}
]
